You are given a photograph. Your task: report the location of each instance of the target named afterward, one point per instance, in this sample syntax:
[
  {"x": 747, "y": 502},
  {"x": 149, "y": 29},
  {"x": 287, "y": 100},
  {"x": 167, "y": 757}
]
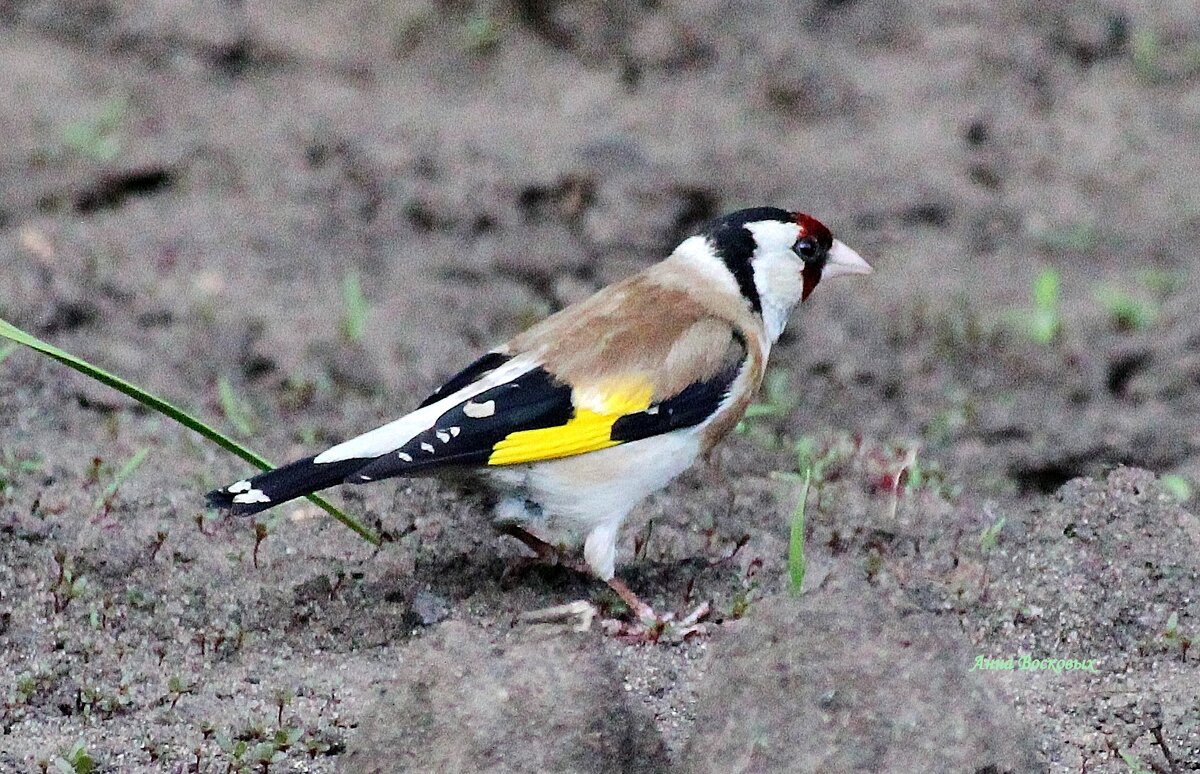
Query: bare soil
[{"x": 184, "y": 188}]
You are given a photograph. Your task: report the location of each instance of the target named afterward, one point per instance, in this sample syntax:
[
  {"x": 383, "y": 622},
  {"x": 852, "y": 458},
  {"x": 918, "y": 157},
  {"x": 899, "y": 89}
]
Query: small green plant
[
  {"x": 97, "y": 138},
  {"x": 167, "y": 409},
  {"x": 1126, "y": 312},
  {"x": 7, "y": 350},
  {"x": 12, "y": 465},
  {"x": 236, "y": 410},
  {"x": 990, "y": 536},
  {"x": 1045, "y": 321},
  {"x": 75, "y": 761},
  {"x": 481, "y": 33},
  {"x": 1174, "y": 638},
  {"x": 283, "y": 697},
  {"x": 177, "y": 687},
  {"x": 1177, "y": 486},
  {"x": 68, "y": 584},
  {"x": 797, "y": 564},
  {"x": 355, "y": 308},
  {"x": 106, "y": 496},
  {"x": 1079, "y": 238},
  {"x": 1133, "y": 762},
  {"x": 816, "y": 456},
  {"x": 1160, "y": 282},
  {"x": 1147, "y": 55},
  {"x": 778, "y": 399}
]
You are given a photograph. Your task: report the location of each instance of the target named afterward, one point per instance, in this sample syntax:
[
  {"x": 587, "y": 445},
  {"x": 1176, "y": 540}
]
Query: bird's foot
[{"x": 649, "y": 626}]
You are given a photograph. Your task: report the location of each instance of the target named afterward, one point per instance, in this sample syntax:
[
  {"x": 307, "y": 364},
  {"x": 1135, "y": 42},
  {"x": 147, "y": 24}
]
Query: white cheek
[{"x": 777, "y": 278}]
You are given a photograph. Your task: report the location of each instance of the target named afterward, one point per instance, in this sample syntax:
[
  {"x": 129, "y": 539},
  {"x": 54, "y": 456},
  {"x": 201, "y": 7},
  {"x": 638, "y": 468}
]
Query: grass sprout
[
  {"x": 125, "y": 472},
  {"x": 355, "y": 307},
  {"x": 235, "y": 409}
]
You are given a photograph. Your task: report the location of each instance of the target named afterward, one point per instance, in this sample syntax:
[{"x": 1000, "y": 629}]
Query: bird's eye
[{"x": 807, "y": 248}]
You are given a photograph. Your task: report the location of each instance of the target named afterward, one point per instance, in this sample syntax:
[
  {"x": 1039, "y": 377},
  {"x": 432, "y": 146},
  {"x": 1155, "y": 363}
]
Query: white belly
[{"x": 593, "y": 493}]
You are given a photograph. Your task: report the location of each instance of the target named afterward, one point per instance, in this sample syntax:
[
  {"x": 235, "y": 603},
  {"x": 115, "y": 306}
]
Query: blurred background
[{"x": 298, "y": 217}]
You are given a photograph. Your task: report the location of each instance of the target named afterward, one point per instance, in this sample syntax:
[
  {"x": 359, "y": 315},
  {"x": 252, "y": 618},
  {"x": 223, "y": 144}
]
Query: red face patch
[{"x": 810, "y": 226}]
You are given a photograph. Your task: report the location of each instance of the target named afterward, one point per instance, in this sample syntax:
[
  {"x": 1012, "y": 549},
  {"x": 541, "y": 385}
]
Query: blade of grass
[
  {"x": 356, "y": 308},
  {"x": 13, "y": 333},
  {"x": 125, "y": 472},
  {"x": 797, "y": 564},
  {"x": 235, "y": 409}
]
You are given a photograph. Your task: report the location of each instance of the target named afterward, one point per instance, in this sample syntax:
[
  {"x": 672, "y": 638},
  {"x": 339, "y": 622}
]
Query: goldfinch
[{"x": 575, "y": 421}]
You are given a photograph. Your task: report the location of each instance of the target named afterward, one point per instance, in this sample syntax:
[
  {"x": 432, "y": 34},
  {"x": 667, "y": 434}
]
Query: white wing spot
[
  {"x": 652, "y": 410},
  {"x": 443, "y": 436},
  {"x": 428, "y": 447},
  {"x": 454, "y": 431},
  {"x": 240, "y": 486},
  {"x": 364, "y": 478},
  {"x": 479, "y": 410},
  {"x": 404, "y": 457},
  {"x": 253, "y": 496}
]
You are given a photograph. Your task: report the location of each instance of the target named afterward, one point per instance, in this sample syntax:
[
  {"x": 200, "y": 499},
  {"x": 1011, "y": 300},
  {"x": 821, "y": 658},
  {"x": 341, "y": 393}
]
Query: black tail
[{"x": 296, "y": 479}]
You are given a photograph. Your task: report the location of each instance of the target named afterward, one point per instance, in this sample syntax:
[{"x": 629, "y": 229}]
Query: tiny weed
[
  {"x": 1177, "y": 486},
  {"x": 68, "y": 585},
  {"x": 7, "y": 350},
  {"x": 283, "y": 697},
  {"x": 74, "y": 761},
  {"x": 1079, "y": 238},
  {"x": 176, "y": 688},
  {"x": 106, "y": 496},
  {"x": 778, "y": 399},
  {"x": 1126, "y": 312},
  {"x": 355, "y": 308},
  {"x": 480, "y": 33},
  {"x": 1174, "y": 638},
  {"x": 1133, "y": 762},
  {"x": 990, "y": 535},
  {"x": 1160, "y": 282},
  {"x": 235, "y": 409},
  {"x": 1045, "y": 322},
  {"x": 97, "y": 138},
  {"x": 12, "y": 466},
  {"x": 1147, "y": 55},
  {"x": 797, "y": 564}
]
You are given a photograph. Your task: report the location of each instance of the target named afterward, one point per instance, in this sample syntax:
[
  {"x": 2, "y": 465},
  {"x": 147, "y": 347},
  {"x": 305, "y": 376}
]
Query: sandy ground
[{"x": 184, "y": 188}]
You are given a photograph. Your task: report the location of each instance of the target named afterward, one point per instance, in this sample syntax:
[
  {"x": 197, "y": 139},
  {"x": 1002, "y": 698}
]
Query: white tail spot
[
  {"x": 240, "y": 486},
  {"x": 479, "y": 410},
  {"x": 454, "y": 431},
  {"x": 251, "y": 497},
  {"x": 443, "y": 436},
  {"x": 427, "y": 447},
  {"x": 404, "y": 457}
]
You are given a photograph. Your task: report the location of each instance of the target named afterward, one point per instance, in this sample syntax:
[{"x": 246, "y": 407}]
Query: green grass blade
[
  {"x": 125, "y": 472},
  {"x": 235, "y": 409},
  {"x": 10, "y": 331},
  {"x": 797, "y": 564}
]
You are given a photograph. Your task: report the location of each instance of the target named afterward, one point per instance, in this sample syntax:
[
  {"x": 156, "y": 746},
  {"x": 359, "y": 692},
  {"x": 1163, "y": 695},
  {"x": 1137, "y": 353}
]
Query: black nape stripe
[{"x": 734, "y": 244}]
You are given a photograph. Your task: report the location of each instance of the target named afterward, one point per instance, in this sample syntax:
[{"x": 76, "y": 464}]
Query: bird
[{"x": 579, "y": 418}]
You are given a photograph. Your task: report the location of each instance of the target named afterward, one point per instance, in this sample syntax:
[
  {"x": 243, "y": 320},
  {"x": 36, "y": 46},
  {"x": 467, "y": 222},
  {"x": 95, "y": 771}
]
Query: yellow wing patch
[{"x": 590, "y": 429}]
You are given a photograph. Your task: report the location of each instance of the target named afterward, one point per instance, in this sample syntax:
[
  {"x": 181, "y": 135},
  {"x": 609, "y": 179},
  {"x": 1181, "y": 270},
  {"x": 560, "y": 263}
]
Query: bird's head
[{"x": 776, "y": 258}]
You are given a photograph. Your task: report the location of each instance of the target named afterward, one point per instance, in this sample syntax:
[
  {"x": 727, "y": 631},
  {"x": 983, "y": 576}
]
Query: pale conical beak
[{"x": 843, "y": 260}]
